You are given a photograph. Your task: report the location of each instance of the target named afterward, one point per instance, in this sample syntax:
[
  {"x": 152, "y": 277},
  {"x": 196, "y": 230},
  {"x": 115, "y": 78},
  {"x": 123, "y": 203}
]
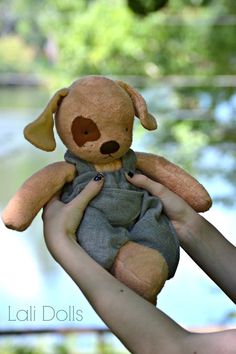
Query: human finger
[
  {"x": 88, "y": 193},
  {"x": 174, "y": 206},
  {"x": 142, "y": 181},
  {"x": 54, "y": 201}
]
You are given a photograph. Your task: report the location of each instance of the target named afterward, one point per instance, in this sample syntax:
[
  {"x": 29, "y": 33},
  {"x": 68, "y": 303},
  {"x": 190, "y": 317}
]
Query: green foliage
[
  {"x": 106, "y": 37},
  {"x": 16, "y": 56},
  {"x": 193, "y": 38},
  {"x": 144, "y": 7},
  {"x": 9, "y": 349},
  {"x": 100, "y": 40},
  {"x": 63, "y": 348}
]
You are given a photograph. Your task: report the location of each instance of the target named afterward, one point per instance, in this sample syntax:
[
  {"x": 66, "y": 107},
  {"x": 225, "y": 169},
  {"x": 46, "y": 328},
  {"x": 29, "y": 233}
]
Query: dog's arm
[
  {"x": 174, "y": 178},
  {"x": 35, "y": 193}
]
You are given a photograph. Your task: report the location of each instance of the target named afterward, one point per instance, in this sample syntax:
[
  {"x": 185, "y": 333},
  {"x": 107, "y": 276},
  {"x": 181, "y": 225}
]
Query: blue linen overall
[{"x": 121, "y": 212}]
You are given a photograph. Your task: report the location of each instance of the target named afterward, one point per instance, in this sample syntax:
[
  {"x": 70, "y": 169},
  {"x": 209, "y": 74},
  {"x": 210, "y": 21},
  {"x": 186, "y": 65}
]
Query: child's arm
[
  {"x": 201, "y": 240},
  {"x": 140, "y": 326}
]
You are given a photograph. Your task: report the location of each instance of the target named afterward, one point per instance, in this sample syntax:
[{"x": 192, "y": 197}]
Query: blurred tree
[
  {"x": 143, "y": 7},
  {"x": 192, "y": 38},
  {"x": 16, "y": 56},
  {"x": 104, "y": 37}
]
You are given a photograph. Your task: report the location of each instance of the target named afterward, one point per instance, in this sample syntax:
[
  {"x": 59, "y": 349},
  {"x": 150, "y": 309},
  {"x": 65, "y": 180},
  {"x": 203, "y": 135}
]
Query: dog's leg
[{"x": 142, "y": 269}]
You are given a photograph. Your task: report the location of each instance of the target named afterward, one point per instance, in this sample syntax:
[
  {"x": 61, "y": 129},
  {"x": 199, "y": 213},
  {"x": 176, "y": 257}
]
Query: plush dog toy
[{"x": 124, "y": 228}]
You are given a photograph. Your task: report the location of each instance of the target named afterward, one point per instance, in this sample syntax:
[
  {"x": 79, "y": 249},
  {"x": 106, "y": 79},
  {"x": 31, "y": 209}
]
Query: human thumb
[{"x": 88, "y": 193}]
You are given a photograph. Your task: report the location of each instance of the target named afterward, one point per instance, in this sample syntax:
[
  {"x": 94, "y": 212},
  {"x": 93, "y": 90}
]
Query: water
[{"x": 31, "y": 280}]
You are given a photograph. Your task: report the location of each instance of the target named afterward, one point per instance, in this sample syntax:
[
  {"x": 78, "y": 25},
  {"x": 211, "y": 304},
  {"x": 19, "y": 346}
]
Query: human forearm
[
  {"x": 211, "y": 251},
  {"x": 140, "y": 326},
  {"x": 201, "y": 240}
]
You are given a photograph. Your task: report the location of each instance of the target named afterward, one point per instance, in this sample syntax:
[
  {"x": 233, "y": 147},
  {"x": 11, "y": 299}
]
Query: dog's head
[{"x": 94, "y": 119}]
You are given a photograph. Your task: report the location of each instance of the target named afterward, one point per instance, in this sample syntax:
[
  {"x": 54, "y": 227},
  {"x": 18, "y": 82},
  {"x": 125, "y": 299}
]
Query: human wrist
[
  {"x": 57, "y": 241},
  {"x": 189, "y": 228}
]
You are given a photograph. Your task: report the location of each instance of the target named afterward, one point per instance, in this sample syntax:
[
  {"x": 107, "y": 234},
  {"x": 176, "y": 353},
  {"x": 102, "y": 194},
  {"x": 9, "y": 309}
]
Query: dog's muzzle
[{"x": 109, "y": 147}]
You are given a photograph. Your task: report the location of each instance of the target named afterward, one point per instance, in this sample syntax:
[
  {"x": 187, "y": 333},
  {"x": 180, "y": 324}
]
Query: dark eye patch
[{"x": 83, "y": 130}]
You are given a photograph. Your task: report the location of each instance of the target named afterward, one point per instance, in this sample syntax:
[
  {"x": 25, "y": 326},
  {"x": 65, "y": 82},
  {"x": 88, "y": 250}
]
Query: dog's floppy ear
[
  {"x": 140, "y": 106},
  {"x": 40, "y": 132}
]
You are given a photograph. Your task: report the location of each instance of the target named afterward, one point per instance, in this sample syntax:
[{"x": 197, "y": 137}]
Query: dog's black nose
[{"x": 109, "y": 147}]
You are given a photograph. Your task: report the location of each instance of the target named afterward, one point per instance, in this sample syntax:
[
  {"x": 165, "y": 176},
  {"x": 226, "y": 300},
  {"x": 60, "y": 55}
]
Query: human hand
[
  {"x": 62, "y": 220},
  {"x": 179, "y": 212}
]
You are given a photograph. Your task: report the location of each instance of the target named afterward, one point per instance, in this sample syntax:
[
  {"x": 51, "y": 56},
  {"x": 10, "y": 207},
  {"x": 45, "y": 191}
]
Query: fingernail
[
  {"x": 130, "y": 174},
  {"x": 98, "y": 177}
]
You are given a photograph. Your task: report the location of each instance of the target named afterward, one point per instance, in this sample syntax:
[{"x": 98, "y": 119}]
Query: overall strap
[
  {"x": 82, "y": 166},
  {"x": 129, "y": 161}
]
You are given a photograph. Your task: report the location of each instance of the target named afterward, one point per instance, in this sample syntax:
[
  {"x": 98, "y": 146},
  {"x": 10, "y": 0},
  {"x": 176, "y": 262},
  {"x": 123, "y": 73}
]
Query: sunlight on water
[{"x": 16, "y": 256}]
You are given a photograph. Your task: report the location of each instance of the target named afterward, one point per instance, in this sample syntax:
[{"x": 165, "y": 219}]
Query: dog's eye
[
  {"x": 126, "y": 129},
  {"x": 83, "y": 130}
]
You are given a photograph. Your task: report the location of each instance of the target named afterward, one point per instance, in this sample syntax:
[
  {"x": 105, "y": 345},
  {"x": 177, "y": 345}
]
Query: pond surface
[{"x": 31, "y": 280}]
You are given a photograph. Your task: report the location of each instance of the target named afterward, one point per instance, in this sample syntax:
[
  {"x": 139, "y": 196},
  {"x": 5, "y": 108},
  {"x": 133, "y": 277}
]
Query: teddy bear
[{"x": 124, "y": 228}]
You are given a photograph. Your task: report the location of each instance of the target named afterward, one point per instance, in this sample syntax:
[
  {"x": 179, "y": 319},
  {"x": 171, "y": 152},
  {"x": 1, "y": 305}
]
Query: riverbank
[{"x": 20, "y": 79}]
